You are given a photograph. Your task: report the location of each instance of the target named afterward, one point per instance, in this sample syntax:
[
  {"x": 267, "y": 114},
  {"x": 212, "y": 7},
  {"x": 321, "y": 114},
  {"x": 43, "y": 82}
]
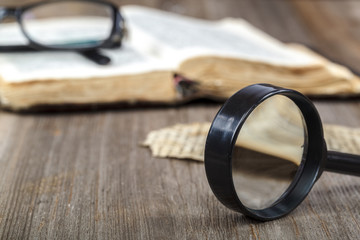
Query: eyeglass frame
[{"x": 113, "y": 41}]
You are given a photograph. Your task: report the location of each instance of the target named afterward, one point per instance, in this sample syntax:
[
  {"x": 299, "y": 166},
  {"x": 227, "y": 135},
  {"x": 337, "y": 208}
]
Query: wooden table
[{"x": 83, "y": 175}]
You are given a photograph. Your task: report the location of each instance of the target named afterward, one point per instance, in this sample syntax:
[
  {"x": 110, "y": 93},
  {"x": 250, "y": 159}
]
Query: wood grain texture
[{"x": 84, "y": 176}]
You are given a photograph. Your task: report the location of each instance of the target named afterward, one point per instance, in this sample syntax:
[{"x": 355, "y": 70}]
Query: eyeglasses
[
  {"x": 265, "y": 150},
  {"x": 77, "y": 25}
]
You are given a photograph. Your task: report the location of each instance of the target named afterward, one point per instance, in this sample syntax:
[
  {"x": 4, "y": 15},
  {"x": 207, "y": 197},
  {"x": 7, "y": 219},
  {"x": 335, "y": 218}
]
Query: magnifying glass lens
[{"x": 269, "y": 151}]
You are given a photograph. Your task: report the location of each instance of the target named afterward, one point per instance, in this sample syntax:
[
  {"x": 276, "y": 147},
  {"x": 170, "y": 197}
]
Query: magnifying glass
[{"x": 265, "y": 150}]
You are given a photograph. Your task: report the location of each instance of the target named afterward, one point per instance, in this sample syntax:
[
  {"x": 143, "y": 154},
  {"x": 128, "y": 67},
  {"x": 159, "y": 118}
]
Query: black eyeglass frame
[
  {"x": 113, "y": 41},
  {"x": 222, "y": 137}
]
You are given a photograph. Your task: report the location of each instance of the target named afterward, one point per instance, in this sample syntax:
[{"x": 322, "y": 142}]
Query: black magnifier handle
[
  {"x": 345, "y": 163},
  {"x": 254, "y": 188},
  {"x": 96, "y": 56}
]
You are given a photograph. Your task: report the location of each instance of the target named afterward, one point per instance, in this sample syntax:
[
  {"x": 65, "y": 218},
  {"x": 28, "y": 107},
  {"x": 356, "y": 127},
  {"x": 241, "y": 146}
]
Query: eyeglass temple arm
[
  {"x": 93, "y": 55},
  {"x": 344, "y": 163},
  {"x": 16, "y": 48}
]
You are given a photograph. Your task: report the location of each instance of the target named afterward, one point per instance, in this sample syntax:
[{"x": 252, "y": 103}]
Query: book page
[
  {"x": 187, "y": 141},
  {"x": 176, "y": 38},
  {"x": 50, "y": 65},
  {"x": 343, "y": 139},
  {"x": 19, "y": 67},
  {"x": 11, "y": 35}
]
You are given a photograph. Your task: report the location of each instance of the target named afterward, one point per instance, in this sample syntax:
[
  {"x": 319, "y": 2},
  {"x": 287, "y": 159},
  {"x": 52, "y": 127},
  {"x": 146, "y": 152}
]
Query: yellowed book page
[
  {"x": 227, "y": 55},
  {"x": 150, "y": 87},
  {"x": 30, "y": 79},
  {"x": 342, "y": 139},
  {"x": 187, "y": 141}
]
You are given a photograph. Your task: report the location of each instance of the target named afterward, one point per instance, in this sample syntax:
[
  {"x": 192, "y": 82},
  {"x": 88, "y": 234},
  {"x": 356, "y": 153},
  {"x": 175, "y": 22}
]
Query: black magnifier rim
[{"x": 221, "y": 141}]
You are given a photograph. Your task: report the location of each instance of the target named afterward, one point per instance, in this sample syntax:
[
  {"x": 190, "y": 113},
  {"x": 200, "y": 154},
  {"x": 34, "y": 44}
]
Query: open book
[{"x": 211, "y": 59}]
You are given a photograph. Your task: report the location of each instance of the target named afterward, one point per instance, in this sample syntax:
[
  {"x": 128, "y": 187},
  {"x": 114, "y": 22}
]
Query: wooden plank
[
  {"x": 83, "y": 175},
  {"x": 334, "y": 27}
]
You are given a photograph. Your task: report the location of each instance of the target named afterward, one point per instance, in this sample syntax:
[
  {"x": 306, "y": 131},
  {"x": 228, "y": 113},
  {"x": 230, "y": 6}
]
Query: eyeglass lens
[{"x": 68, "y": 24}]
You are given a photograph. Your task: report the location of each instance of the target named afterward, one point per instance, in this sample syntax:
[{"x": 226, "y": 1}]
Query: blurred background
[
  {"x": 83, "y": 174},
  {"x": 332, "y": 27}
]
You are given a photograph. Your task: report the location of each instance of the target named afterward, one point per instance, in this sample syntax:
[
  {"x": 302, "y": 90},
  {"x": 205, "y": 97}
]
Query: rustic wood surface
[{"x": 84, "y": 176}]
